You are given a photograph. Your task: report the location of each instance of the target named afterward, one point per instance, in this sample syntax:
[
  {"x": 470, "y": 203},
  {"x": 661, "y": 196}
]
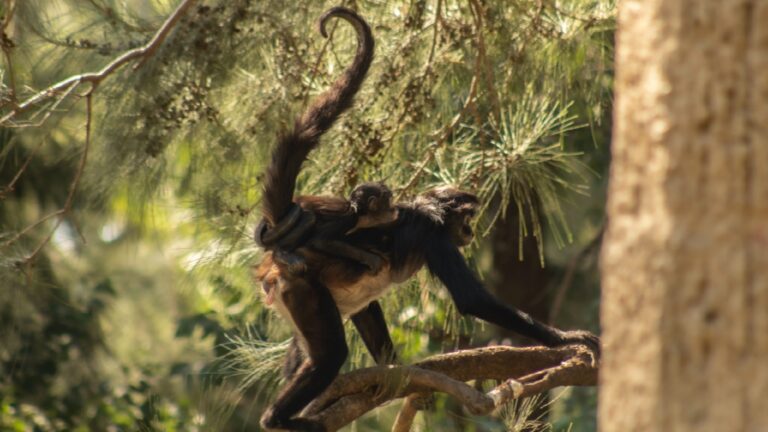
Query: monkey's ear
[{"x": 373, "y": 204}]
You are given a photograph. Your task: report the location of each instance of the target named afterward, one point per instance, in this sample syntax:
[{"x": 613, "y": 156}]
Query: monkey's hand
[
  {"x": 270, "y": 422},
  {"x": 581, "y": 337}
]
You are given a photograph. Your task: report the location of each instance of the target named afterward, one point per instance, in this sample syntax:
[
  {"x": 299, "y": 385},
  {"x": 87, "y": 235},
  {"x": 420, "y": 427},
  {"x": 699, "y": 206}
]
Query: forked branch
[{"x": 522, "y": 372}]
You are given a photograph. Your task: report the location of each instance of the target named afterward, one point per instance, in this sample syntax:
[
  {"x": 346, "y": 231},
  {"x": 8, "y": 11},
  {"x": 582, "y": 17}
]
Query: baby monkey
[{"x": 369, "y": 204}]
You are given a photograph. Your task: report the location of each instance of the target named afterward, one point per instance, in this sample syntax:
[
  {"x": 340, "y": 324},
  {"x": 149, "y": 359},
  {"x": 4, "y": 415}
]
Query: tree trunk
[{"x": 685, "y": 262}]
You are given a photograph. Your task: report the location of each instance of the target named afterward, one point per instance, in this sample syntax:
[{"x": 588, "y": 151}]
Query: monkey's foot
[{"x": 270, "y": 422}]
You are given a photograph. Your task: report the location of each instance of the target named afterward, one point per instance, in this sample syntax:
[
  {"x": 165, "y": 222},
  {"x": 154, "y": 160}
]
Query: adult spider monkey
[{"x": 429, "y": 231}]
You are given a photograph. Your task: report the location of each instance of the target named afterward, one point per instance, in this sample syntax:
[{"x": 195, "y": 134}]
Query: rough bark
[{"x": 685, "y": 268}]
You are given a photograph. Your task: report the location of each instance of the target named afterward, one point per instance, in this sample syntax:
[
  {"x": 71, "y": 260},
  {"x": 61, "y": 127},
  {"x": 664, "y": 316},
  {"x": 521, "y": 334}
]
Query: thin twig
[
  {"x": 10, "y": 7},
  {"x": 47, "y": 111},
  {"x": 61, "y": 213},
  {"x": 12, "y": 184},
  {"x": 477, "y": 10},
  {"x": 436, "y": 30},
  {"x": 570, "y": 272},
  {"x": 95, "y": 78},
  {"x": 112, "y": 17},
  {"x": 285, "y": 33},
  {"x": 11, "y": 76},
  {"x": 407, "y": 413},
  {"x": 7, "y": 45},
  {"x": 320, "y": 56},
  {"x": 441, "y": 136},
  {"x": 38, "y": 222},
  {"x": 480, "y": 67}
]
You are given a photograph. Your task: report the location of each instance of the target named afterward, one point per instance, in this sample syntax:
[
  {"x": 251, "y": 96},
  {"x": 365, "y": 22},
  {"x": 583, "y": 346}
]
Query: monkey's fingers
[{"x": 583, "y": 337}]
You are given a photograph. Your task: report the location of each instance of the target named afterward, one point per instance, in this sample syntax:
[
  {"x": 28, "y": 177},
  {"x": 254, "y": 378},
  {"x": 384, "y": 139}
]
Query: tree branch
[
  {"x": 524, "y": 372},
  {"x": 441, "y": 136},
  {"x": 477, "y": 13},
  {"x": 95, "y": 78},
  {"x": 73, "y": 186},
  {"x": 570, "y": 272},
  {"x": 407, "y": 413}
]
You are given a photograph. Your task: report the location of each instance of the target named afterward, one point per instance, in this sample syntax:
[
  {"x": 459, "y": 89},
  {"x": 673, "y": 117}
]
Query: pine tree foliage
[{"x": 481, "y": 94}]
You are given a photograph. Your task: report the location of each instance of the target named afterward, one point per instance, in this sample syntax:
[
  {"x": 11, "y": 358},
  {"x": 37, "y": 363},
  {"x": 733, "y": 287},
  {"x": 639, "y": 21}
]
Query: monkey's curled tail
[{"x": 294, "y": 146}]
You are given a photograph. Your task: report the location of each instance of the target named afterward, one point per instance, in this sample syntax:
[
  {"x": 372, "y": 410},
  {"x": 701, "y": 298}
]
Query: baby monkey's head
[{"x": 371, "y": 198}]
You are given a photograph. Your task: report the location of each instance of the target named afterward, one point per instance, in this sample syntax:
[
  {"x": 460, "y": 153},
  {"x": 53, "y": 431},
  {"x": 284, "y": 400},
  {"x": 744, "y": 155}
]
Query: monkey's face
[
  {"x": 460, "y": 209},
  {"x": 371, "y": 199},
  {"x": 378, "y": 204},
  {"x": 459, "y": 224}
]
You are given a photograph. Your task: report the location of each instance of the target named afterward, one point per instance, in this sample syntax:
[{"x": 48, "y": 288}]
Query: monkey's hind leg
[
  {"x": 293, "y": 359},
  {"x": 318, "y": 323},
  {"x": 372, "y": 326}
]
